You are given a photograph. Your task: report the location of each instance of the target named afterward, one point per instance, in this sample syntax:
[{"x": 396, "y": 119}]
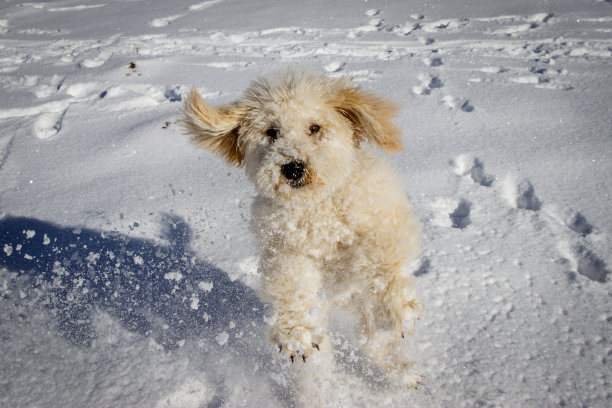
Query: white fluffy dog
[{"x": 331, "y": 220}]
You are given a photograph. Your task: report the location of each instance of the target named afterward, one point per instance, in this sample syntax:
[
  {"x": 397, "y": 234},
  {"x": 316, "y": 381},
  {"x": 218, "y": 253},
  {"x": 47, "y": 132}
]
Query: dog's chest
[{"x": 317, "y": 231}]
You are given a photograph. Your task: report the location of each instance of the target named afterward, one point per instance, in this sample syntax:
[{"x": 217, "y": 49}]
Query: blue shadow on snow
[{"x": 154, "y": 290}]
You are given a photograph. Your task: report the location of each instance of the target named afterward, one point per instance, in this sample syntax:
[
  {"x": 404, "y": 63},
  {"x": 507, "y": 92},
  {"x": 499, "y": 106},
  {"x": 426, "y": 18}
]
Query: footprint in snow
[
  {"x": 427, "y": 84},
  {"x": 460, "y": 217},
  {"x": 427, "y": 40},
  {"x": 467, "y": 165},
  {"x": 452, "y": 213},
  {"x": 455, "y": 103},
  {"x": 174, "y": 93},
  {"x": 433, "y": 62},
  {"x": 512, "y": 26},
  {"x": 577, "y": 250},
  {"x": 410, "y": 26},
  {"x": 375, "y": 24},
  {"x": 577, "y": 223},
  {"x": 424, "y": 268},
  {"x": 590, "y": 265},
  {"x": 571, "y": 219},
  {"x": 520, "y": 194},
  {"x": 49, "y": 123},
  {"x": 50, "y": 86},
  {"x": 455, "y": 213},
  {"x": 583, "y": 261}
]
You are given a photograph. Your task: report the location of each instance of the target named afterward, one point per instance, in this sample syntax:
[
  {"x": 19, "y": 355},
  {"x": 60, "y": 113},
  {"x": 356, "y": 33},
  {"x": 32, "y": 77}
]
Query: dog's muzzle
[{"x": 295, "y": 173}]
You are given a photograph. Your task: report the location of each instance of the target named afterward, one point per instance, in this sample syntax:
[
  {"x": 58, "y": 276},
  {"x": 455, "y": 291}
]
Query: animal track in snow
[
  {"x": 373, "y": 25},
  {"x": 450, "y": 24},
  {"x": 431, "y": 82},
  {"x": 540, "y": 76},
  {"x": 50, "y": 86},
  {"x": 408, "y": 27},
  {"x": 510, "y": 25},
  {"x": 590, "y": 265},
  {"x": 137, "y": 96},
  {"x": 542, "y": 49},
  {"x": 460, "y": 217},
  {"x": 49, "y": 123},
  {"x": 514, "y": 25},
  {"x": 582, "y": 260},
  {"x": 424, "y": 268},
  {"x": 428, "y": 83},
  {"x": 41, "y": 87},
  {"x": 572, "y": 219},
  {"x": 452, "y": 213},
  {"x": 174, "y": 93},
  {"x": 578, "y": 249},
  {"x": 520, "y": 194},
  {"x": 455, "y": 103},
  {"x": 578, "y": 243},
  {"x": 464, "y": 165},
  {"x": 433, "y": 62},
  {"x": 579, "y": 224},
  {"x": 50, "y": 116}
]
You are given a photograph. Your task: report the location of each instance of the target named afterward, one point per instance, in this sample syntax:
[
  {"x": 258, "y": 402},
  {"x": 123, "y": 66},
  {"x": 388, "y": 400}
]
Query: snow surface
[{"x": 127, "y": 271}]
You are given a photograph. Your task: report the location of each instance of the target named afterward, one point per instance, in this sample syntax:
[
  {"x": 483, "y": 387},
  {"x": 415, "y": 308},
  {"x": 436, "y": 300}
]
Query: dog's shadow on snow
[{"x": 156, "y": 290}]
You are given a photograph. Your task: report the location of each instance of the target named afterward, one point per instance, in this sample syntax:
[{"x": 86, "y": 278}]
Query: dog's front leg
[{"x": 292, "y": 284}]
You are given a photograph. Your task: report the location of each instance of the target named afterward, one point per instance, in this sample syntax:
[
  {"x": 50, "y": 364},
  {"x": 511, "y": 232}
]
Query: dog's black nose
[{"x": 293, "y": 171}]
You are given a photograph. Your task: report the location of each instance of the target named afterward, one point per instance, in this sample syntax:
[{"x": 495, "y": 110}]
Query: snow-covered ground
[{"x": 127, "y": 272}]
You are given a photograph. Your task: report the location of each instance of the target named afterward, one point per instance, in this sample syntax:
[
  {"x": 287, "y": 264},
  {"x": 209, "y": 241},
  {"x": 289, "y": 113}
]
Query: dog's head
[{"x": 297, "y": 134}]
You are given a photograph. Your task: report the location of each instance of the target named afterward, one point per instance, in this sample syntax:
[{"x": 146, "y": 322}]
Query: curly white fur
[{"x": 331, "y": 219}]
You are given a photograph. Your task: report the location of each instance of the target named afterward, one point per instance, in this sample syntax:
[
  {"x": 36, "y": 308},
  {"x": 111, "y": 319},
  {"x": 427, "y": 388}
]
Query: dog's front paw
[{"x": 297, "y": 341}]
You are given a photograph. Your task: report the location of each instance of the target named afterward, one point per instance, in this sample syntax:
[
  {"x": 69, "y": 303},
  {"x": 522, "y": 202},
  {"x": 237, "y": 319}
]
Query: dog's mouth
[{"x": 296, "y": 174}]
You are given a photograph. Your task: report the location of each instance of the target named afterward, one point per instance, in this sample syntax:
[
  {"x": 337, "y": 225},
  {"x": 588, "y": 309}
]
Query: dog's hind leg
[
  {"x": 385, "y": 351},
  {"x": 389, "y": 301},
  {"x": 400, "y": 305},
  {"x": 388, "y": 311}
]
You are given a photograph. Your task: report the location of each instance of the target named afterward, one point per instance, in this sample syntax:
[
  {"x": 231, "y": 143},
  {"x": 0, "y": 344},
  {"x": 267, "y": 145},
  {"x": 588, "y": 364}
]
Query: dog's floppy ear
[
  {"x": 370, "y": 115},
  {"x": 212, "y": 128}
]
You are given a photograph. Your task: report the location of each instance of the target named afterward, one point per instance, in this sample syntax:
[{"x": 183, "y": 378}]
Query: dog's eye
[
  {"x": 314, "y": 129},
  {"x": 272, "y": 133}
]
